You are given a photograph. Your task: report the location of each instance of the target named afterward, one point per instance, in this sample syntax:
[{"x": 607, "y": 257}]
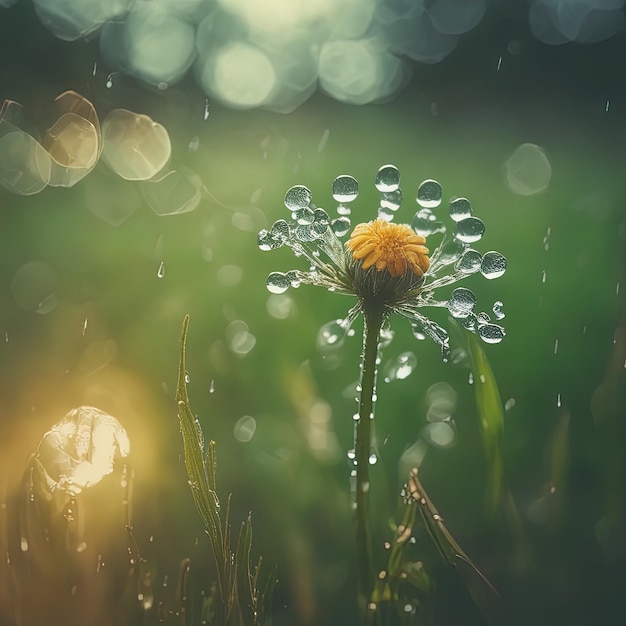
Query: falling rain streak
[{"x": 161, "y": 270}]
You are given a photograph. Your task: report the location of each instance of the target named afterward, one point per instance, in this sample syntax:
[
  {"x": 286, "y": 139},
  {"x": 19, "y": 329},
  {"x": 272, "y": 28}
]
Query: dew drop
[
  {"x": 460, "y": 209},
  {"x": 493, "y": 265},
  {"x": 345, "y": 189},
  {"x": 401, "y": 367},
  {"x": 426, "y": 224},
  {"x": 491, "y": 333},
  {"x": 509, "y": 404},
  {"x": 161, "y": 270},
  {"x": 429, "y": 194},
  {"x": 470, "y": 262},
  {"x": 469, "y": 230},
  {"x": 387, "y": 178},
  {"x": 461, "y": 302},
  {"x": 298, "y": 197},
  {"x": 391, "y": 200},
  {"x": 497, "y": 309},
  {"x": 373, "y": 459},
  {"x": 341, "y": 225},
  {"x": 277, "y": 282}
]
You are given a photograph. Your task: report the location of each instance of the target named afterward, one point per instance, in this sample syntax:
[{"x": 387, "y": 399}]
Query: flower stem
[{"x": 371, "y": 333}]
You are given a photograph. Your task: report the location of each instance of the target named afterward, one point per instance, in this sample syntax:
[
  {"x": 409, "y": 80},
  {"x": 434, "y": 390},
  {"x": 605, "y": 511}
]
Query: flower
[{"x": 386, "y": 264}]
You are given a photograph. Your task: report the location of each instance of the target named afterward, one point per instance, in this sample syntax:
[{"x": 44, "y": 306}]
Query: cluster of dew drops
[{"x": 312, "y": 225}]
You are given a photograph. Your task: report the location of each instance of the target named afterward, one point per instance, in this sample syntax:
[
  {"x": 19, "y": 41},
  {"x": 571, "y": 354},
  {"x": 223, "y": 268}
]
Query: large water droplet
[
  {"x": 345, "y": 188},
  {"x": 451, "y": 252},
  {"x": 460, "y": 209},
  {"x": 277, "y": 282},
  {"x": 341, "y": 225},
  {"x": 491, "y": 333},
  {"x": 304, "y": 216},
  {"x": 429, "y": 194},
  {"x": 332, "y": 334},
  {"x": 298, "y": 197},
  {"x": 469, "y": 230},
  {"x": 426, "y": 224},
  {"x": 470, "y": 262},
  {"x": 401, "y": 367},
  {"x": 387, "y": 178},
  {"x": 493, "y": 265},
  {"x": 265, "y": 240},
  {"x": 461, "y": 302},
  {"x": 391, "y": 200},
  {"x": 280, "y": 231}
]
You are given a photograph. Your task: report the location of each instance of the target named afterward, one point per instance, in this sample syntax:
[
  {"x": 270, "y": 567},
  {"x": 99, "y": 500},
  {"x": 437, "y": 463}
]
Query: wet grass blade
[{"x": 483, "y": 593}]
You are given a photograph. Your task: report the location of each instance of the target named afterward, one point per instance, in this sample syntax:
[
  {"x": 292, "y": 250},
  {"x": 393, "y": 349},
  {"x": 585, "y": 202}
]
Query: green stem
[{"x": 373, "y": 322}]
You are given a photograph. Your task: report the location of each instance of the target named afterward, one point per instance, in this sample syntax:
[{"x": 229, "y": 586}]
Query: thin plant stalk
[{"x": 371, "y": 334}]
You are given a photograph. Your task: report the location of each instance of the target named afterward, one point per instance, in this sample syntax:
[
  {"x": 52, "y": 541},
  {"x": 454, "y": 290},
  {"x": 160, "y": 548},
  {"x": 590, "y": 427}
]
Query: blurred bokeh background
[{"x": 519, "y": 106}]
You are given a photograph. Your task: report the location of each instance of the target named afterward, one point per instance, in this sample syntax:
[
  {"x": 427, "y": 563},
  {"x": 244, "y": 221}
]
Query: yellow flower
[{"x": 395, "y": 248}]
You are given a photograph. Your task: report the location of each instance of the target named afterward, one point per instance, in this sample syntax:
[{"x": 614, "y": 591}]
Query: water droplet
[
  {"x": 194, "y": 144},
  {"x": 341, "y": 225},
  {"x": 372, "y": 459},
  {"x": 469, "y": 230},
  {"x": 509, "y": 404},
  {"x": 245, "y": 428},
  {"x": 277, "y": 282},
  {"x": 401, "y": 367},
  {"x": 187, "y": 378},
  {"x": 491, "y": 333},
  {"x": 470, "y": 379},
  {"x": 470, "y": 262},
  {"x": 429, "y": 194},
  {"x": 109, "y": 82},
  {"x": 161, "y": 270},
  {"x": 206, "y": 109},
  {"x": 298, "y": 197},
  {"x": 493, "y": 265},
  {"x": 556, "y": 345},
  {"x": 84, "y": 327},
  {"x": 345, "y": 189},
  {"x": 425, "y": 223},
  {"x": 332, "y": 334},
  {"x": 95, "y": 68},
  {"x": 606, "y": 106},
  {"x": 558, "y": 400},
  {"x": 387, "y": 178},
  {"x": 499, "y": 64},
  {"x": 497, "y": 309},
  {"x": 544, "y": 276},
  {"x": 461, "y": 302},
  {"x": 460, "y": 209},
  {"x": 391, "y": 200}
]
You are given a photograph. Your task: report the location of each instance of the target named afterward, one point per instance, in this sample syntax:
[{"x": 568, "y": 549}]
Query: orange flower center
[{"x": 388, "y": 246}]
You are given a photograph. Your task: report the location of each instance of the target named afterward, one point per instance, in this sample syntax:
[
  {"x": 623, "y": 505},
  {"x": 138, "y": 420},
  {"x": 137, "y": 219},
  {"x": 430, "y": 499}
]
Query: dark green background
[{"x": 551, "y": 569}]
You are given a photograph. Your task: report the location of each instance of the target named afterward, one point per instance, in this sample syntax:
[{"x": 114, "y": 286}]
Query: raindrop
[
  {"x": 509, "y": 404},
  {"x": 491, "y": 333},
  {"x": 341, "y": 225},
  {"x": 558, "y": 400},
  {"x": 401, "y": 367},
  {"x": 206, "y": 109},
  {"x": 544, "y": 276},
  {"x": 84, "y": 327},
  {"x": 298, "y": 197},
  {"x": 372, "y": 461},
  {"x": 556, "y": 345},
  {"x": 345, "y": 189},
  {"x": 187, "y": 378},
  {"x": 493, "y": 265},
  {"x": 109, "y": 82},
  {"x": 323, "y": 140},
  {"x": 499, "y": 64},
  {"x": 277, "y": 282},
  {"x": 212, "y": 386},
  {"x": 387, "y": 178},
  {"x": 245, "y": 428},
  {"x": 606, "y": 106},
  {"x": 497, "y": 309},
  {"x": 461, "y": 302},
  {"x": 425, "y": 223},
  {"x": 161, "y": 270},
  {"x": 469, "y": 230},
  {"x": 194, "y": 144},
  {"x": 332, "y": 334},
  {"x": 95, "y": 68},
  {"x": 470, "y": 379},
  {"x": 391, "y": 200},
  {"x": 429, "y": 194},
  {"x": 470, "y": 262},
  {"x": 460, "y": 209}
]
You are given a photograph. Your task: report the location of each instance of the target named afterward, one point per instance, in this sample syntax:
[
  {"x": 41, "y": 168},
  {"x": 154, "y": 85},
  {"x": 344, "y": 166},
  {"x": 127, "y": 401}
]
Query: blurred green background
[{"x": 113, "y": 339}]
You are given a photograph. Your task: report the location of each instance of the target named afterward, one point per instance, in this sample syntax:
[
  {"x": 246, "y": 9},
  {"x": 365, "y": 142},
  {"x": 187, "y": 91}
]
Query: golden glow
[{"x": 387, "y": 246}]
